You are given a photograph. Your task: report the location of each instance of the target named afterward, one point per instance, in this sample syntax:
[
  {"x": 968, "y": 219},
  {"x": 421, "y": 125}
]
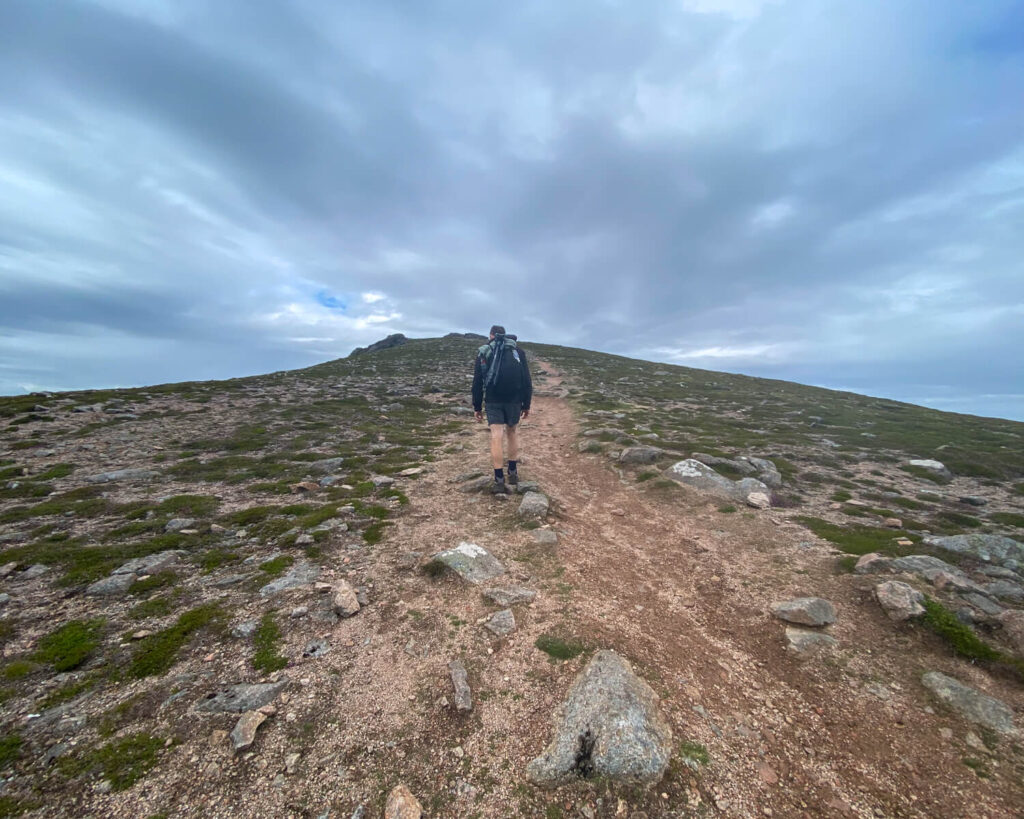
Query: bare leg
[
  {"x": 513, "y": 442},
  {"x": 497, "y": 459}
]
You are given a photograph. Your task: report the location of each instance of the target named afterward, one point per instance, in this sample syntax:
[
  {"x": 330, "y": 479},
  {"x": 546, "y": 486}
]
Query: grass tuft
[
  {"x": 266, "y": 639},
  {"x": 70, "y": 645},
  {"x": 559, "y": 648}
]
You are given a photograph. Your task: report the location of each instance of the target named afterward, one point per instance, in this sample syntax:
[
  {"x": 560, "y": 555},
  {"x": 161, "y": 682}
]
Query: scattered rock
[
  {"x": 244, "y": 732},
  {"x": 316, "y": 648},
  {"x": 291, "y": 763},
  {"x": 151, "y": 564},
  {"x": 970, "y": 703},
  {"x": 305, "y": 539},
  {"x": 808, "y": 643},
  {"x": 892, "y": 523},
  {"x": 533, "y": 507},
  {"x": 544, "y": 537},
  {"x": 303, "y": 487},
  {"x": 510, "y": 595},
  {"x": 177, "y": 524},
  {"x": 983, "y": 604},
  {"x": 935, "y": 467},
  {"x": 239, "y": 698},
  {"x": 974, "y": 500},
  {"x": 900, "y": 600},
  {"x": 34, "y": 571},
  {"x": 998, "y": 549},
  {"x": 301, "y": 574},
  {"x": 245, "y": 629},
  {"x": 460, "y": 682},
  {"x": 609, "y": 726},
  {"x": 759, "y": 500},
  {"x": 482, "y": 484},
  {"x": 325, "y": 466},
  {"x": 121, "y": 475},
  {"x": 471, "y": 562},
  {"x": 1005, "y": 590},
  {"x": 113, "y": 586},
  {"x": 806, "y": 611},
  {"x": 402, "y": 804},
  {"x": 5, "y": 598},
  {"x": 345, "y": 601},
  {"x": 639, "y": 455},
  {"x": 501, "y": 623},
  {"x": 381, "y": 480}
]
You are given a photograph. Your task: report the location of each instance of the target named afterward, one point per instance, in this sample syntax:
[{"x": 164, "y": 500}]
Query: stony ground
[{"x": 263, "y": 496}]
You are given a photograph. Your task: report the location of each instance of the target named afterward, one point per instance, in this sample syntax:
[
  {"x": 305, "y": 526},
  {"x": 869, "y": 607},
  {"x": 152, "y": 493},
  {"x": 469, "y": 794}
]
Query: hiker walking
[{"x": 501, "y": 378}]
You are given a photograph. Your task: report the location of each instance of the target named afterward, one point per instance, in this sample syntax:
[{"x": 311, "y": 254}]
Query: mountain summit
[{"x": 712, "y": 594}]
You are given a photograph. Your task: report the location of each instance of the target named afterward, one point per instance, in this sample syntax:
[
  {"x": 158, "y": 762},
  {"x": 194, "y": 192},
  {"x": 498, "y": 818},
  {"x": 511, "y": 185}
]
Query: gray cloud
[{"x": 202, "y": 190}]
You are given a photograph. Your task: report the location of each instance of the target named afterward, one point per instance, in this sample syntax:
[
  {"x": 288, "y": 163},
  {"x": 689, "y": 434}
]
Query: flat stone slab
[
  {"x": 121, "y": 475},
  {"x": 544, "y": 537},
  {"x": 151, "y": 564},
  {"x": 237, "y": 699},
  {"x": 301, "y": 574},
  {"x": 113, "y": 586},
  {"x": 472, "y": 563},
  {"x": 1003, "y": 551},
  {"x": 609, "y": 726},
  {"x": 501, "y": 623},
  {"x": 970, "y": 703},
  {"x": 510, "y": 595},
  {"x": 535, "y": 506},
  {"x": 244, "y": 733},
  {"x": 700, "y": 476},
  {"x": 807, "y": 643},
  {"x": 806, "y": 611}
]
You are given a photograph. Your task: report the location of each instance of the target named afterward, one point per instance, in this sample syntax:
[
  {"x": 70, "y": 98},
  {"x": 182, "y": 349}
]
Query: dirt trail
[{"x": 683, "y": 591}]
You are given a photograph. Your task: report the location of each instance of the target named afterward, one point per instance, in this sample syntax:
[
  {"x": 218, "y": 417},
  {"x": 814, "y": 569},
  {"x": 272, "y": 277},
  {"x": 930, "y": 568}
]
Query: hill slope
[{"x": 111, "y": 669}]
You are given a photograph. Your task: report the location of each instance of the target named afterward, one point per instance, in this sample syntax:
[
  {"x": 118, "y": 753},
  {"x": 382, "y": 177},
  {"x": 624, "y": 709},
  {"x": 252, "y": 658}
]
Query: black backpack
[{"x": 504, "y": 377}]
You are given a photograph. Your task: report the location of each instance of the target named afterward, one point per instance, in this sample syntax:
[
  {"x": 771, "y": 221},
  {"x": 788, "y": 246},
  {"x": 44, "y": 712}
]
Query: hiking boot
[
  {"x": 498, "y": 487},
  {"x": 513, "y": 477}
]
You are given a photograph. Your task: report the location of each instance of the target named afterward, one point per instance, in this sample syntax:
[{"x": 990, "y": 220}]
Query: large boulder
[
  {"x": 937, "y": 468},
  {"x": 301, "y": 574},
  {"x": 806, "y": 611},
  {"x": 534, "y": 506},
  {"x": 240, "y": 698},
  {"x": 700, "y": 476},
  {"x": 998, "y": 549},
  {"x": 639, "y": 455},
  {"x": 402, "y": 804},
  {"x": 472, "y": 563},
  {"x": 609, "y": 726},
  {"x": 765, "y": 470},
  {"x": 900, "y": 601},
  {"x": 970, "y": 703}
]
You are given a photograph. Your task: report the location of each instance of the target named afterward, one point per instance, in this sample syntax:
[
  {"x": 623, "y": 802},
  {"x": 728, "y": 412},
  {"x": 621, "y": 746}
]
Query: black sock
[
  {"x": 499, "y": 475},
  {"x": 511, "y": 466}
]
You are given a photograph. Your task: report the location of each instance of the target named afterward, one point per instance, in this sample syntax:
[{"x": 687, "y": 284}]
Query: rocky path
[{"x": 685, "y": 594}]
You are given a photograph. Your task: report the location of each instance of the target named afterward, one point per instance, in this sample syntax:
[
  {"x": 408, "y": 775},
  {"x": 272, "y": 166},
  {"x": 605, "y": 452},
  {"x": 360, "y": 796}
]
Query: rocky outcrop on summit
[
  {"x": 394, "y": 340},
  {"x": 610, "y": 726},
  {"x": 470, "y": 336},
  {"x": 970, "y": 703}
]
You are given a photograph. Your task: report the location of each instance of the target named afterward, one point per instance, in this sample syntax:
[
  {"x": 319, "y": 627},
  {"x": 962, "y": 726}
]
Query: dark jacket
[{"x": 480, "y": 370}]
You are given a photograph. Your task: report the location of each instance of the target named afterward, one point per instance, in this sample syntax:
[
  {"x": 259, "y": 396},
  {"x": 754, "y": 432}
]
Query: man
[{"x": 502, "y": 377}]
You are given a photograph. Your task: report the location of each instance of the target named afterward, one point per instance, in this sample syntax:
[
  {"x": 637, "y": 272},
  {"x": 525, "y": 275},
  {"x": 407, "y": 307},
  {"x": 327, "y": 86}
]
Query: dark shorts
[{"x": 503, "y": 412}]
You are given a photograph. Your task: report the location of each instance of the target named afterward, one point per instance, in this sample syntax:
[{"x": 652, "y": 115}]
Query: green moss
[
  {"x": 846, "y": 564},
  {"x": 978, "y": 766},
  {"x": 559, "y": 648},
  {"x": 70, "y": 645},
  {"x": 10, "y": 749},
  {"x": 154, "y": 607},
  {"x": 66, "y": 693},
  {"x": 278, "y": 566},
  {"x": 646, "y": 476},
  {"x": 154, "y": 581},
  {"x": 374, "y": 533},
  {"x": 1008, "y": 519},
  {"x": 158, "y": 652},
  {"x": 196, "y": 506},
  {"x": 16, "y": 669},
  {"x": 266, "y": 639},
  {"x": 254, "y": 514},
  {"x": 960, "y": 637},
  {"x": 214, "y": 558},
  {"x": 694, "y": 752},
  {"x": 856, "y": 540},
  {"x": 56, "y": 471},
  {"x": 727, "y": 509},
  {"x": 951, "y": 518},
  {"x": 122, "y": 762}
]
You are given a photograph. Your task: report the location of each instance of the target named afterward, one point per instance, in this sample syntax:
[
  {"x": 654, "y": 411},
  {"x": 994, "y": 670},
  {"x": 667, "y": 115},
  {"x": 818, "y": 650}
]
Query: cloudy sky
[{"x": 826, "y": 192}]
